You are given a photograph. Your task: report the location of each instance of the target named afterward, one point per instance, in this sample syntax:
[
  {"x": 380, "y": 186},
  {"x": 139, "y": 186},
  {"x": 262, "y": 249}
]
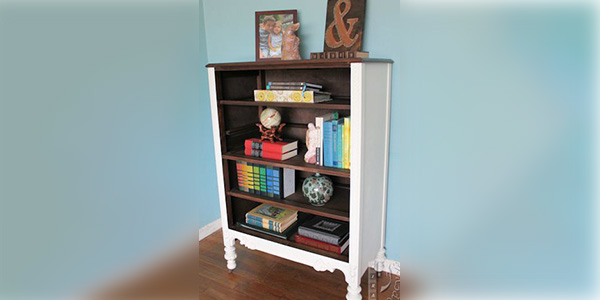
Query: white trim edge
[
  {"x": 209, "y": 229},
  {"x": 391, "y": 266}
]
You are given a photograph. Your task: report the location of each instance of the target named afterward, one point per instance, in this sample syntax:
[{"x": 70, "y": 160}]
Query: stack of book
[
  {"x": 266, "y": 181},
  {"x": 333, "y": 145},
  {"x": 281, "y": 91},
  {"x": 326, "y": 234},
  {"x": 272, "y": 220},
  {"x": 271, "y": 150}
]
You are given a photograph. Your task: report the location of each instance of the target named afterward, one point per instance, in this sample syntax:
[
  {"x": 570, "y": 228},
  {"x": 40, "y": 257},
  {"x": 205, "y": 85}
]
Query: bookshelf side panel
[
  {"x": 374, "y": 132},
  {"x": 217, "y": 143}
]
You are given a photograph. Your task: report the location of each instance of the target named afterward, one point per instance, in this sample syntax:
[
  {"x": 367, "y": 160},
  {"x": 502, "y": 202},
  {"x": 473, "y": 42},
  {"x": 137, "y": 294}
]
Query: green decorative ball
[{"x": 318, "y": 189}]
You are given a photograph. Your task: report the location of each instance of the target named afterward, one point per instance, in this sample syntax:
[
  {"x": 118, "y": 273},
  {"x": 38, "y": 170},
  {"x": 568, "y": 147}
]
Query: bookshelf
[{"x": 360, "y": 88}]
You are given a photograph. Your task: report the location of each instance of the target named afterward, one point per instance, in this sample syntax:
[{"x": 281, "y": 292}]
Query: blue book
[
  {"x": 334, "y": 136},
  {"x": 340, "y": 147},
  {"x": 328, "y": 144}
]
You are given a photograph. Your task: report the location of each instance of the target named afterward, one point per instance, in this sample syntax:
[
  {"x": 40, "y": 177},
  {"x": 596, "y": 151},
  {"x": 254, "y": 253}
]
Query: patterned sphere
[
  {"x": 318, "y": 189},
  {"x": 270, "y": 117}
]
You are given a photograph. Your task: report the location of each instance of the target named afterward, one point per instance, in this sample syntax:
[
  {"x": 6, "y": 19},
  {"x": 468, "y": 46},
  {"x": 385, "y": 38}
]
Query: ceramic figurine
[
  {"x": 318, "y": 189},
  {"x": 312, "y": 135},
  {"x": 291, "y": 43}
]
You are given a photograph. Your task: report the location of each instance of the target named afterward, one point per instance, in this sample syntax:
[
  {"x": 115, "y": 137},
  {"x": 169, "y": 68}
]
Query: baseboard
[{"x": 209, "y": 229}]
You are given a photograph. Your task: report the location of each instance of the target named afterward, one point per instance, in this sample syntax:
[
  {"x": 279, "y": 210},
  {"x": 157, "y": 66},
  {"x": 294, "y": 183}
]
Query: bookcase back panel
[
  {"x": 234, "y": 85},
  {"x": 335, "y": 81},
  {"x": 239, "y": 209}
]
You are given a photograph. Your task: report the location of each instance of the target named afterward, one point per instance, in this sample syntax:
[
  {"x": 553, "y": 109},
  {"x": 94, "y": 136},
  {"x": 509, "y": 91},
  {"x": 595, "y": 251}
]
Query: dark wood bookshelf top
[
  {"x": 292, "y": 243},
  {"x": 296, "y": 163},
  {"x": 294, "y": 64},
  {"x": 338, "y": 207},
  {"x": 335, "y": 104}
]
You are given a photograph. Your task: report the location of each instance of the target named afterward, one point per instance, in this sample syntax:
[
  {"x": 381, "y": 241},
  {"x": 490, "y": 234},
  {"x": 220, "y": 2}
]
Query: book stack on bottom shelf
[
  {"x": 272, "y": 220},
  {"x": 325, "y": 234}
]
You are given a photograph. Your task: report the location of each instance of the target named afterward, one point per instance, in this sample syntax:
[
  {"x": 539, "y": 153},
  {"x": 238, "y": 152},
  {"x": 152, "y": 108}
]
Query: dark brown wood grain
[
  {"x": 335, "y": 104},
  {"x": 296, "y": 163},
  {"x": 293, "y": 64},
  {"x": 337, "y": 208}
]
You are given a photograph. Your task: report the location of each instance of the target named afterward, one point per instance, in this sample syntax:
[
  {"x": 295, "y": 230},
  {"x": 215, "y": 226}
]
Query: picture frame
[{"x": 269, "y": 28}]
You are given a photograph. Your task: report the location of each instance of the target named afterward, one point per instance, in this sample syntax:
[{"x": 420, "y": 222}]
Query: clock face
[{"x": 270, "y": 117}]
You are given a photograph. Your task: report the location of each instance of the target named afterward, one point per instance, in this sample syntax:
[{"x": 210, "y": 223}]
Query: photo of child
[{"x": 269, "y": 32}]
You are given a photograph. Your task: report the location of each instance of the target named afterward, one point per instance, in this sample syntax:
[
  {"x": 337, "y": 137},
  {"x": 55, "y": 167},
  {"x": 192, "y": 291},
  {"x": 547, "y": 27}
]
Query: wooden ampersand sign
[{"x": 344, "y": 25}]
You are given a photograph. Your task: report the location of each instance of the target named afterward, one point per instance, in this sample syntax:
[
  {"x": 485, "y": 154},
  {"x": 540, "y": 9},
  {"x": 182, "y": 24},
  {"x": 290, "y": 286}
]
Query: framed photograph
[{"x": 270, "y": 26}]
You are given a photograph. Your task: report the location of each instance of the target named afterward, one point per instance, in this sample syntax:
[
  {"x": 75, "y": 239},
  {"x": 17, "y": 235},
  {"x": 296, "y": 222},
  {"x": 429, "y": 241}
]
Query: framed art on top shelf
[{"x": 270, "y": 26}]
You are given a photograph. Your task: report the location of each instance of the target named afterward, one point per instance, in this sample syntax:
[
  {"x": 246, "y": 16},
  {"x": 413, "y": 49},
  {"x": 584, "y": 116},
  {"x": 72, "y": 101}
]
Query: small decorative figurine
[
  {"x": 318, "y": 189},
  {"x": 270, "y": 125},
  {"x": 312, "y": 135},
  {"x": 291, "y": 43}
]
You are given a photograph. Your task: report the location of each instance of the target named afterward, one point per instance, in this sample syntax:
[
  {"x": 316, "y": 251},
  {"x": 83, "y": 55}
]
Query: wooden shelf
[
  {"x": 296, "y": 163},
  {"x": 337, "y": 208},
  {"x": 291, "y": 243},
  {"x": 294, "y": 64},
  {"x": 335, "y": 104}
]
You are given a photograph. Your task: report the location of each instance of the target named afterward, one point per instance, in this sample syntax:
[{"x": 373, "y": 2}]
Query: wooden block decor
[
  {"x": 339, "y": 55},
  {"x": 344, "y": 25}
]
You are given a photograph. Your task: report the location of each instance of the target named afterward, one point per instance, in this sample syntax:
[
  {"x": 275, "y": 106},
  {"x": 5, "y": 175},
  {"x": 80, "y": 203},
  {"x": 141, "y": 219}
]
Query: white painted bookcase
[{"x": 361, "y": 89}]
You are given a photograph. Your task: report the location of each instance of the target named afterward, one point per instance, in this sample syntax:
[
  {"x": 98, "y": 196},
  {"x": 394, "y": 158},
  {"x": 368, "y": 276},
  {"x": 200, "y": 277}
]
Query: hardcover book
[
  {"x": 322, "y": 245},
  {"x": 282, "y": 235},
  {"x": 346, "y": 142},
  {"x": 274, "y": 227},
  {"x": 271, "y": 213},
  {"x": 328, "y": 144},
  {"x": 272, "y": 147},
  {"x": 325, "y": 230},
  {"x": 270, "y": 155},
  {"x": 291, "y": 96},
  {"x": 292, "y": 83},
  {"x": 319, "y": 121}
]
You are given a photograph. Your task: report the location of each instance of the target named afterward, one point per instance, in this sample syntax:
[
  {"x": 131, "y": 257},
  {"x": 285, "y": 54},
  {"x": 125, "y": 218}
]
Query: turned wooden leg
[
  {"x": 230, "y": 255},
  {"x": 353, "y": 284}
]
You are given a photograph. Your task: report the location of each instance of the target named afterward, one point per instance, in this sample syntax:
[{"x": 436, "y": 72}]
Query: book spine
[
  {"x": 270, "y": 192},
  {"x": 334, "y": 138},
  {"x": 327, "y": 145},
  {"x": 277, "y": 183},
  {"x": 319, "y": 149},
  {"x": 289, "y": 182},
  {"x": 250, "y": 177},
  {"x": 347, "y": 143},
  {"x": 340, "y": 150},
  {"x": 256, "y": 178},
  {"x": 318, "y": 244},
  {"x": 263, "y": 180},
  {"x": 263, "y": 225},
  {"x": 317, "y": 236}
]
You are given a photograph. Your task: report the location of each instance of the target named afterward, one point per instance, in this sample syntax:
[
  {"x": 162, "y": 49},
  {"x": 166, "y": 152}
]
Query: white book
[{"x": 319, "y": 124}]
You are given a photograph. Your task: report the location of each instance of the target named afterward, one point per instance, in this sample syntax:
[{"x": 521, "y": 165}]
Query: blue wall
[
  {"x": 490, "y": 179},
  {"x": 104, "y": 126}
]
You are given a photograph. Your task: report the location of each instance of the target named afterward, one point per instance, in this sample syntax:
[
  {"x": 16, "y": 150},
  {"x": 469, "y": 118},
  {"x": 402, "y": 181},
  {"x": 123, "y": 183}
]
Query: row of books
[
  {"x": 318, "y": 232},
  {"x": 271, "y": 150},
  {"x": 284, "y": 91},
  {"x": 266, "y": 181},
  {"x": 333, "y": 145}
]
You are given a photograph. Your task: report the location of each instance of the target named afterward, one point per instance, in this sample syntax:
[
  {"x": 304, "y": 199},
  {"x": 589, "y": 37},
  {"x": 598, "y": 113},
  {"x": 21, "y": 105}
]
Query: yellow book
[{"x": 346, "y": 143}]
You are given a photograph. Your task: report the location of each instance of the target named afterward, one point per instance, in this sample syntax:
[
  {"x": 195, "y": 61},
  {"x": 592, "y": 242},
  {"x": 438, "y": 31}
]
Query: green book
[
  {"x": 256, "y": 178},
  {"x": 263, "y": 180}
]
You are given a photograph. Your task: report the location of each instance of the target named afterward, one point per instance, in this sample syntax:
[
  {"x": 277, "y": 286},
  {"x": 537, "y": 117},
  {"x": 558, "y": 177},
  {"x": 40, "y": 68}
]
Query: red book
[
  {"x": 270, "y": 155},
  {"x": 266, "y": 146},
  {"x": 322, "y": 245}
]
